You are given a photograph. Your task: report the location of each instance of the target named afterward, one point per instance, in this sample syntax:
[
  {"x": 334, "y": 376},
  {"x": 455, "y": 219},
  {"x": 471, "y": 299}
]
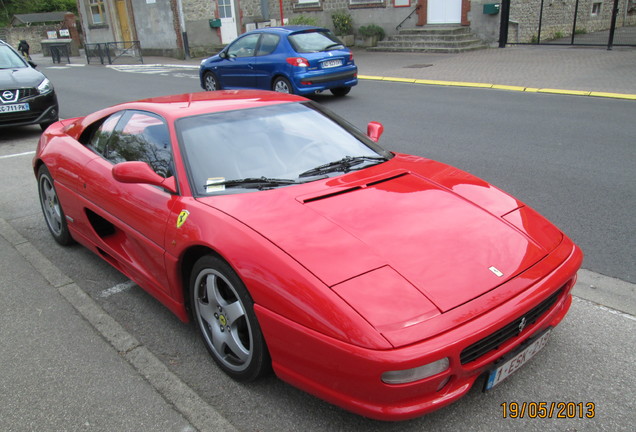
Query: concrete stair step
[
  {"x": 435, "y": 30},
  {"x": 431, "y": 38},
  {"x": 427, "y": 37},
  {"x": 433, "y": 44},
  {"x": 426, "y": 50}
]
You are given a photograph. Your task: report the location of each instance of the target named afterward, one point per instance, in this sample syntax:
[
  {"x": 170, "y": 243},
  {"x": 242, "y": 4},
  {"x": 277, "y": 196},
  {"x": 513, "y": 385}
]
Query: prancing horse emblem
[{"x": 522, "y": 324}]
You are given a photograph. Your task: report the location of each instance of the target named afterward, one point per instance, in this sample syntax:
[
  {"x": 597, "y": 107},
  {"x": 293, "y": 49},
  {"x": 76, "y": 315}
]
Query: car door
[
  {"x": 237, "y": 68},
  {"x": 130, "y": 219},
  {"x": 268, "y": 61}
]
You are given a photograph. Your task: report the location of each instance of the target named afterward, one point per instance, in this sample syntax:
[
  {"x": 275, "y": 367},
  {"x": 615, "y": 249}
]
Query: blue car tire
[
  {"x": 282, "y": 85},
  {"x": 211, "y": 82}
]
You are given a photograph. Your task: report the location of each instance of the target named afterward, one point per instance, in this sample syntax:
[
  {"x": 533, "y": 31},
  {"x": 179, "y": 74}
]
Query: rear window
[{"x": 314, "y": 41}]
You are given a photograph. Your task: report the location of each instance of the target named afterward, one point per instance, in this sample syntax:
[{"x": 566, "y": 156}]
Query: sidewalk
[
  {"x": 59, "y": 371},
  {"x": 524, "y": 67}
]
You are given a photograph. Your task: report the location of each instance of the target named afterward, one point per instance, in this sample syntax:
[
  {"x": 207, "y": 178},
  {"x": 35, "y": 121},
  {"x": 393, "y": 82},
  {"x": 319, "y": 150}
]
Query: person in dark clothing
[{"x": 23, "y": 47}]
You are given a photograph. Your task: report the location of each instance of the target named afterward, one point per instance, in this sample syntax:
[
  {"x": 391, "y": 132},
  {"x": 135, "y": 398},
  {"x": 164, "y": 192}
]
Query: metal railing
[
  {"x": 405, "y": 19},
  {"x": 112, "y": 51}
]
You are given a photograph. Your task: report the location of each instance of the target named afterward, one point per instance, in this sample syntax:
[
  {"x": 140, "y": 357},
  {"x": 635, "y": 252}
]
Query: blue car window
[
  {"x": 244, "y": 47},
  {"x": 268, "y": 44}
]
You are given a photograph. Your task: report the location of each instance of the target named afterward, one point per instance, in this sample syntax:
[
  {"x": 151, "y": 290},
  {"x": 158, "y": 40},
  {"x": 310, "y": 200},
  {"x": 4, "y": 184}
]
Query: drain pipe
[
  {"x": 503, "y": 23},
  {"x": 184, "y": 33}
]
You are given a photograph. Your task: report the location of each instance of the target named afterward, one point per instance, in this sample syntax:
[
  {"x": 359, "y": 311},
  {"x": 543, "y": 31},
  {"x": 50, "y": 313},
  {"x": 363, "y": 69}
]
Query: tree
[{"x": 8, "y": 8}]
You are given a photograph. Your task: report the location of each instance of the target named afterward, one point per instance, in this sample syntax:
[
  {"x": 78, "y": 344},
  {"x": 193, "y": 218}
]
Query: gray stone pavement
[
  {"x": 64, "y": 380},
  {"x": 72, "y": 380}
]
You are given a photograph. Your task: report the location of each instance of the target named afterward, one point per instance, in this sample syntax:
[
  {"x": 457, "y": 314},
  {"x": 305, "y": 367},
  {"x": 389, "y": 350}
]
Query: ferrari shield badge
[{"x": 182, "y": 218}]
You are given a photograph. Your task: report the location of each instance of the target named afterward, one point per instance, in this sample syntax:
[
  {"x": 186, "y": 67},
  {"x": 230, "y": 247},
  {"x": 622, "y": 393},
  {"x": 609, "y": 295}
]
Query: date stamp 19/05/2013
[{"x": 559, "y": 410}]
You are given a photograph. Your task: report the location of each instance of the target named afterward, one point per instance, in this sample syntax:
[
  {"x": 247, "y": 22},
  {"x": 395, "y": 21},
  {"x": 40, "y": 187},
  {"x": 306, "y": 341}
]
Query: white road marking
[
  {"x": 66, "y": 66},
  {"x": 117, "y": 289},
  {"x": 17, "y": 155},
  {"x": 157, "y": 69}
]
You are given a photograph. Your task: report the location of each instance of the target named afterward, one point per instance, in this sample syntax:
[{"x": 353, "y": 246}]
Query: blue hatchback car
[{"x": 291, "y": 59}]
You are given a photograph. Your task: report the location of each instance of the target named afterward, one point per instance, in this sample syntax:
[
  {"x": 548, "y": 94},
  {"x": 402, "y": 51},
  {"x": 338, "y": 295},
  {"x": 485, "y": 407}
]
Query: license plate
[
  {"x": 14, "y": 108},
  {"x": 331, "y": 63},
  {"x": 505, "y": 370}
]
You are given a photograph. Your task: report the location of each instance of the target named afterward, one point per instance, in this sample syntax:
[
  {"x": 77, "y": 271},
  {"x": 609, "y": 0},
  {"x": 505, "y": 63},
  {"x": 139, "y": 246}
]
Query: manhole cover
[{"x": 418, "y": 66}]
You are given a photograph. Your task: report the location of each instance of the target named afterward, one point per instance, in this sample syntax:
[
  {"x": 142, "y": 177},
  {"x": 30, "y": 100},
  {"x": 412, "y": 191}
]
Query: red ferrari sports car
[{"x": 384, "y": 283}]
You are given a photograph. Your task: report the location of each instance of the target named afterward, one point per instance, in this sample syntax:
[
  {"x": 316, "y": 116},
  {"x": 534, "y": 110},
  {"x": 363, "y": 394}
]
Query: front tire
[
  {"x": 224, "y": 313},
  {"x": 282, "y": 85},
  {"x": 210, "y": 82},
  {"x": 52, "y": 209}
]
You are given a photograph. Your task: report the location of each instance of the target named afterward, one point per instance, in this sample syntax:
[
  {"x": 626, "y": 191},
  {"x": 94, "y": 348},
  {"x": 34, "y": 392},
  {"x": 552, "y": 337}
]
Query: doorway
[
  {"x": 227, "y": 14},
  {"x": 444, "y": 12}
]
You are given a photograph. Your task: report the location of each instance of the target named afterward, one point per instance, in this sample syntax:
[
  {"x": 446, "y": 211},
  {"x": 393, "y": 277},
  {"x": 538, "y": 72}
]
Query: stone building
[{"x": 201, "y": 27}]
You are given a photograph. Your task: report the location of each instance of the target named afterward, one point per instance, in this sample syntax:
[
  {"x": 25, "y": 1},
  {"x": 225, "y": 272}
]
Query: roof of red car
[{"x": 188, "y": 104}]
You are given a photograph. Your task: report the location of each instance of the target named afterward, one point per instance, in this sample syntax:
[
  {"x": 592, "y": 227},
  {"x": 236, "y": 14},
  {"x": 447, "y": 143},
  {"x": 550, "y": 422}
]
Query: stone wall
[
  {"x": 202, "y": 39},
  {"x": 155, "y": 24},
  {"x": 558, "y": 18},
  {"x": 484, "y": 26},
  {"x": 34, "y": 34}
]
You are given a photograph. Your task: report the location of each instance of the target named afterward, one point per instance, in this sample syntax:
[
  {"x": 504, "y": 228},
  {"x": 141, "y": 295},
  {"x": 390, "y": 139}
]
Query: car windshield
[
  {"x": 9, "y": 59},
  {"x": 273, "y": 146},
  {"x": 314, "y": 41}
]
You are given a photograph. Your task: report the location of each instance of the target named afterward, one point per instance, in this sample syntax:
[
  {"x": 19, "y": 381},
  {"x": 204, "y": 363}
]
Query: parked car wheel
[
  {"x": 224, "y": 312},
  {"x": 340, "y": 91},
  {"x": 211, "y": 83},
  {"x": 52, "y": 209},
  {"x": 282, "y": 85}
]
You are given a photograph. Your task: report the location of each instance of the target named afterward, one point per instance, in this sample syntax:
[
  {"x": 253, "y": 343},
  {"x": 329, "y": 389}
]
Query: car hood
[
  {"x": 449, "y": 248},
  {"x": 19, "y": 78}
]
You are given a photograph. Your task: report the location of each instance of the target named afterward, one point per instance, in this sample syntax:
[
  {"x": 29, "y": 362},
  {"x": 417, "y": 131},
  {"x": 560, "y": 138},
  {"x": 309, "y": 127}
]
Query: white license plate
[
  {"x": 505, "y": 370},
  {"x": 331, "y": 63},
  {"x": 14, "y": 108}
]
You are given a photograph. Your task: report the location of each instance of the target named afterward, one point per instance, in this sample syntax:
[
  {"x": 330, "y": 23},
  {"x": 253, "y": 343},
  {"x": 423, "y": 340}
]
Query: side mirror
[
  {"x": 140, "y": 172},
  {"x": 375, "y": 130},
  {"x": 223, "y": 54}
]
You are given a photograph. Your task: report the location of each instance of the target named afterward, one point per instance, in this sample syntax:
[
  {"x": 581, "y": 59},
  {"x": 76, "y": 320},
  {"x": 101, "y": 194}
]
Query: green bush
[
  {"x": 304, "y": 20},
  {"x": 342, "y": 23},
  {"x": 371, "y": 30}
]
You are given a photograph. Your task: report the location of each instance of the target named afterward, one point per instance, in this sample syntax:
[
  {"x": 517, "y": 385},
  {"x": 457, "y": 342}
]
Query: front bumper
[
  {"x": 350, "y": 376},
  {"x": 42, "y": 109}
]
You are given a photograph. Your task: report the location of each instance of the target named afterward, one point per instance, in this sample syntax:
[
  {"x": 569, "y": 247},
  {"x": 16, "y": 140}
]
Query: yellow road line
[{"x": 501, "y": 87}]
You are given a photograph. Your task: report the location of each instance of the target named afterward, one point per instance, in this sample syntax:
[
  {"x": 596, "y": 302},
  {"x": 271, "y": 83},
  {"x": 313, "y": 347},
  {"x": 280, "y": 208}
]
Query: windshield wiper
[
  {"x": 328, "y": 47},
  {"x": 345, "y": 165},
  {"x": 252, "y": 182}
]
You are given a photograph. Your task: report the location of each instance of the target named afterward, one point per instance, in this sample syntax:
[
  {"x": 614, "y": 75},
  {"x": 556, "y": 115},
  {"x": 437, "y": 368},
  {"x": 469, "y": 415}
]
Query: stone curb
[{"x": 185, "y": 400}]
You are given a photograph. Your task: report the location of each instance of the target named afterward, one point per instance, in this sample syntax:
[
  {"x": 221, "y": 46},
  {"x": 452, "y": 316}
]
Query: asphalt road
[{"x": 570, "y": 158}]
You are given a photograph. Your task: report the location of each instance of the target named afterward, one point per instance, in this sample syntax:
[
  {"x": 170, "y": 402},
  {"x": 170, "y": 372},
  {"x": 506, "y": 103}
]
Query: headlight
[
  {"x": 45, "y": 86},
  {"x": 415, "y": 374}
]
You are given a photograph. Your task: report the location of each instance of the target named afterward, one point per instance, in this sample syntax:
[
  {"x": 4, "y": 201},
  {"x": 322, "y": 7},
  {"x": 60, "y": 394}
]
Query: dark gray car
[{"x": 26, "y": 95}]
